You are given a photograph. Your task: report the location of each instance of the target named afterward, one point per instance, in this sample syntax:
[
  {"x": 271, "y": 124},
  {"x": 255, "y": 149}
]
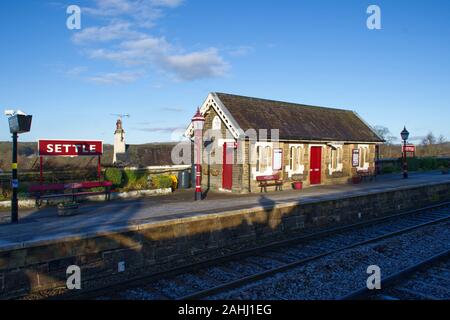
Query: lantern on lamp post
[
  {"x": 198, "y": 122},
  {"x": 405, "y": 135}
]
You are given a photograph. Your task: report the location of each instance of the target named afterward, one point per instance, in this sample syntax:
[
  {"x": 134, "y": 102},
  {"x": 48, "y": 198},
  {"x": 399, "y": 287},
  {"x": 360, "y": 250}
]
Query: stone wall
[{"x": 153, "y": 247}]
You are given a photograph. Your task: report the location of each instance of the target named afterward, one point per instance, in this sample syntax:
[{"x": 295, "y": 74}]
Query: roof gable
[{"x": 212, "y": 101}]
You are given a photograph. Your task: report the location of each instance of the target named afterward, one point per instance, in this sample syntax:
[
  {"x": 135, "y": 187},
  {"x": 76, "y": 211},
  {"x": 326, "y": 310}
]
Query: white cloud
[
  {"x": 134, "y": 52},
  {"x": 124, "y": 42},
  {"x": 107, "y": 33},
  {"x": 159, "y": 53},
  {"x": 240, "y": 51},
  {"x": 76, "y": 71},
  {"x": 144, "y": 12},
  {"x": 116, "y": 77},
  {"x": 172, "y": 109},
  {"x": 173, "y": 130},
  {"x": 167, "y": 3},
  {"x": 110, "y": 7},
  {"x": 197, "y": 65}
]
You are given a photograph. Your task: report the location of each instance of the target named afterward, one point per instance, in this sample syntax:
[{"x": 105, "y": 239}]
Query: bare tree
[
  {"x": 384, "y": 133},
  {"x": 429, "y": 139}
]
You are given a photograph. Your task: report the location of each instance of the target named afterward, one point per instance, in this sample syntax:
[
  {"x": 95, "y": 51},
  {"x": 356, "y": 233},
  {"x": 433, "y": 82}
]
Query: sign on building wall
[
  {"x": 355, "y": 158},
  {"x": 277, "y": 159},
  {"x": 70, "y": 148}
]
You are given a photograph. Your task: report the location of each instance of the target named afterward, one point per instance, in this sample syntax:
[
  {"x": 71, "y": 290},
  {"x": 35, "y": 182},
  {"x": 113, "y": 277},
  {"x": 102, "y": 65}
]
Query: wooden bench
[
  {"x": 270, "y": 181},
  {"x": 70, "y": 190},
  {"x": 366, "y": 175}
]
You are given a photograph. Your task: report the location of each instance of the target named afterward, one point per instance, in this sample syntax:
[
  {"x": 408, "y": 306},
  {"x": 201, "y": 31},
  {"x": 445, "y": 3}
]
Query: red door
[
  {"x": 315, "y": 170},
  {"x": 227, "y": 170}
]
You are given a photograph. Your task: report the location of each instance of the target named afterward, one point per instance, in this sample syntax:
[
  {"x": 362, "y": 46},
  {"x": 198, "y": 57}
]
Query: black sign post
[
  {"x": 18, "y": 123},
  {"x": 14, "y": 182}
]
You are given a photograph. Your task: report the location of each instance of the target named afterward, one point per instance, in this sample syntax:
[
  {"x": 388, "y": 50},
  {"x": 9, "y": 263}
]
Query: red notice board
[{"x": 70, "y": 148}]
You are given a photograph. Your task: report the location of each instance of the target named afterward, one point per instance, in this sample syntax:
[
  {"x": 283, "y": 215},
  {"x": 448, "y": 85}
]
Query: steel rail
[
  {"x": 265, "y": 274},
  {"x": 396, "y": 278},
  {"x": 137, "y": 281}
]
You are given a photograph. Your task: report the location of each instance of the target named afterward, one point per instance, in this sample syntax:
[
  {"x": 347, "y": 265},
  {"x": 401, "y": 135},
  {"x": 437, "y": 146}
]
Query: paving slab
[{"x": 96, "y": 218}]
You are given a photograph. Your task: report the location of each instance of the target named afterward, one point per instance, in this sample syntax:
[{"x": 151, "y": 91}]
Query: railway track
[
  {"x": 427, "y": 280},
  {"x": 205, "y": 279}
]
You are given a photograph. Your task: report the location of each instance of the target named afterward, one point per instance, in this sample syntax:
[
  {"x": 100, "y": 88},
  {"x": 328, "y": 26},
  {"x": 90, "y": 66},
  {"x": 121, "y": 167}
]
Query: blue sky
[{"x": 158, "y": 59}]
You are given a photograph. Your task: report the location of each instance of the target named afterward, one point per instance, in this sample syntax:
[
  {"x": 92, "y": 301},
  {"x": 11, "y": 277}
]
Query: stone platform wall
[{"x": 149, "y": 248}]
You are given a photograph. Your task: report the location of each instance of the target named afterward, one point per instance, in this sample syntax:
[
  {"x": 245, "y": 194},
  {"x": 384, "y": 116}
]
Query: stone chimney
[{"x": 119, "y": 141}]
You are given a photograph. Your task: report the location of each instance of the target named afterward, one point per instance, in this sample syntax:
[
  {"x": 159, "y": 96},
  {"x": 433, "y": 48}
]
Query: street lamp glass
[
  {"x": 20, "y": 123},
  {"x": 198, "y": 121},
  {"x": 198, "y": 124},
  {"x": 404, "y": 134}
]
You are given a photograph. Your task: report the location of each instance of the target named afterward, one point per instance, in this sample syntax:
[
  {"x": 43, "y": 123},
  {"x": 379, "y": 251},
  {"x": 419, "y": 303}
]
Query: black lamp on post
[
  {"x": 405, "y": 135},
  {"x": 19, "y": 122}
]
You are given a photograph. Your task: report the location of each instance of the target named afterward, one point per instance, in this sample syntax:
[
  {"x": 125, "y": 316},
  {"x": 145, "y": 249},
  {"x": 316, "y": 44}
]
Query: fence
[{"x": 414, "y": 164}]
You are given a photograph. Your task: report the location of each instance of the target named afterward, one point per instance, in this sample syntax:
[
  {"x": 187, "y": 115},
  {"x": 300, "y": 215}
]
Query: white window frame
[
  {"x": 217, "y": 123},
  {"x": 364, "y": 152},
  {"x": 339, "y": 150},
  {"x": 269, "y": 168},
  {"x": 300, "y": 160}
]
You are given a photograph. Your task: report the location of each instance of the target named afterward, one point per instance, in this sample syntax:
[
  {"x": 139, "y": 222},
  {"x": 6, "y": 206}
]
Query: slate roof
[{"x": 297, "y": 121}]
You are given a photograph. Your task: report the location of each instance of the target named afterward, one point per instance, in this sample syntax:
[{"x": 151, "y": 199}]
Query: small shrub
[
  {"x": 443, "y": 163},
  {"x": 131, "y": 176},
  {"x": 5, "y": 193},
  {"x": 388, "y": 170},
  {"x": 174, "y": 182},
  {"x": 413, "y": 164},
  {"x": 297, "y": 177},
  {"x": 136, "y": 179},
  {"x": 161, "y": 182},
  {"x": 115, "y": 176},
  {"x": 428, "y": 164}
]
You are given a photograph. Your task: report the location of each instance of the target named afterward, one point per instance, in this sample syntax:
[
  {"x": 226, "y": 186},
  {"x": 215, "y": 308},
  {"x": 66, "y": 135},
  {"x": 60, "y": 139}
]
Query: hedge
[{"x": 115, "y": 176}]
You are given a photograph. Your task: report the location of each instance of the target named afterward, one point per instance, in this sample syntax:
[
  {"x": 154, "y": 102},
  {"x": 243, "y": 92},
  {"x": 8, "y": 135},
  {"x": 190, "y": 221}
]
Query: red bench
[
  {"x": 70, "y": 190},
  {"x": 270, "y": 181}
]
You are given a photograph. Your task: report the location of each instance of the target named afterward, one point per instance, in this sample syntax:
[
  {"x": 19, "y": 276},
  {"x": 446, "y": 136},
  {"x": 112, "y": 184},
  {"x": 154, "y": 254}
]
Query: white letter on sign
[{"x": 49, "y": 148}]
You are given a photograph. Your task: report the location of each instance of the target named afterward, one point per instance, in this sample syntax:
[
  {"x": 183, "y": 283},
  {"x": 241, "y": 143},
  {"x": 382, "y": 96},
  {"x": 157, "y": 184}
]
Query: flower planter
[
  {"x": 297, "y": 185},
  {"x": 67, "y": 209}
]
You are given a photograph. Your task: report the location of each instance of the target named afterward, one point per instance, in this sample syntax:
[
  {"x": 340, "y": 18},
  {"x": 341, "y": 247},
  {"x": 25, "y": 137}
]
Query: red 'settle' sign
[
  {"x": 409, "y": 148},
  {"x": 70, "y": 148}
]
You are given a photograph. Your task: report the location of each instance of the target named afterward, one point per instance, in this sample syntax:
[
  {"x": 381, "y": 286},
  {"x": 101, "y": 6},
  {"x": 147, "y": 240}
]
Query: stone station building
[{"x": 315, "y": 145}]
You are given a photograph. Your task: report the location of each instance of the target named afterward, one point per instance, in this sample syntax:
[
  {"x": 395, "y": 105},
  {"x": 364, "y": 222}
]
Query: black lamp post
[
  {"x": 405, "y": 136},
  {"x": 18, "y": 123}
]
